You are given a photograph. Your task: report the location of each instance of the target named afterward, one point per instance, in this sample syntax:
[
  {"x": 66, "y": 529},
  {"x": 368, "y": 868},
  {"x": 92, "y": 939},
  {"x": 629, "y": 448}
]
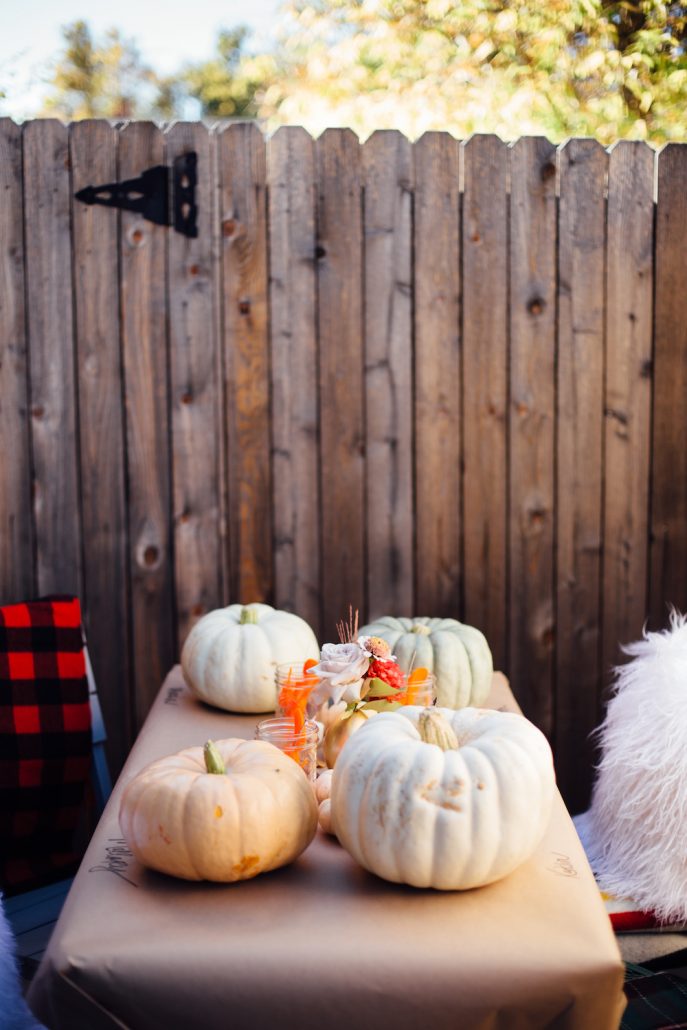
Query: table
[{"x": 322, "y": 943}]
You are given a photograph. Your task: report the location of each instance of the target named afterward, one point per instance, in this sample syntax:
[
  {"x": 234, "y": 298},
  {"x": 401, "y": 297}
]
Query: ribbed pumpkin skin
[
  {"x": 232, "y": 666},
  {"x": 457, "y": 654},
  {"x": 181, "y": 820},
  {"x": 452, "y": 820}
]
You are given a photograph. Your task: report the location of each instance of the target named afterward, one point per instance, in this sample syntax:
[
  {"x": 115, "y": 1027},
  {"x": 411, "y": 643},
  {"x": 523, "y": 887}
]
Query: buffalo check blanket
[{"x": 45, "y": 741}]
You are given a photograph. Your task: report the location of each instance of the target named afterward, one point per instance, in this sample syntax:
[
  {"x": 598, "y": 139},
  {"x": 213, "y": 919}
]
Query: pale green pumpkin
[{"x": 457, "y": 654}]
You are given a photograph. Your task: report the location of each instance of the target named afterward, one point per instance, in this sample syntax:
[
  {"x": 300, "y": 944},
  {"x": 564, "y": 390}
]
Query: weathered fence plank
[
  {"x": 342, "y": 428},
  {"x": 243, "y": 216},
  {"x": 388, "y": 273},
  {"x": 16, "y": 554},
  {"x": 143, "y": 297},
  {"x": 669, "y": 454},
  {"x": 531, "y": 426},
  {"x": 485, "y": 387},
  {"x": 195, "y": 391},
  {"x": 438, "y": 571},
  {"x": 629, "y": 316},
  {"x": 579, "y": 414},
  {"x": 295, "y": 413},
  {"x": 93, "y": 156},
  {"x": 51, "y": 357}
]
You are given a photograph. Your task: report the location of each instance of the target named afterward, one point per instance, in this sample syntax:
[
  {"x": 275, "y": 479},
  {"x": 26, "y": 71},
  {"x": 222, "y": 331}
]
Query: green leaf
[
  {"x": 379, "y": 686},
  {"x": 383, "y": 706}
]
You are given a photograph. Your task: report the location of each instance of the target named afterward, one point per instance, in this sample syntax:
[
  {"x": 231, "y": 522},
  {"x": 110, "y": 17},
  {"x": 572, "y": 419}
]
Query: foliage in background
[
  {"x": 560, "y": 67},
  {"x": 106, "y": 79},
  {"x": 227, "y": 85}
]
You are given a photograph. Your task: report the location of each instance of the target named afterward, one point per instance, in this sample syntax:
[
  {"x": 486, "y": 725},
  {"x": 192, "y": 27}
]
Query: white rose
[{"x": 341, "y": 672}]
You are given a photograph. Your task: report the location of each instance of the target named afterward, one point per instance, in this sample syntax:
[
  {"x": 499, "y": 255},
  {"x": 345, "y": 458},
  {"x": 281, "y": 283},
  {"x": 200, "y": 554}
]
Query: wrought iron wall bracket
[{"x": 161, "y": 195}]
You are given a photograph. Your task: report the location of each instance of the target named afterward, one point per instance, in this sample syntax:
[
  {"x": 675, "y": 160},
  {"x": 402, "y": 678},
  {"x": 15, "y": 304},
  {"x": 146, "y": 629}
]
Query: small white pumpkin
[
  {"x": 440, "y": 798},
  {"x": 224, "y": 812},
  {"x": 324, "y": 817},
  {"x": 457, "y": 654},
  {"x": 323, "y": 789},
  {"x": 323, "y": 786},
  {"x": 230, "y": 655}
]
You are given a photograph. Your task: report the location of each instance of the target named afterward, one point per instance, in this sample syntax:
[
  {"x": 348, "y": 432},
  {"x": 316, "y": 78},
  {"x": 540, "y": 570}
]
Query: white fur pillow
[
  {"x": 14, "y": 1012},
  {"x": 635, "y": 832}
]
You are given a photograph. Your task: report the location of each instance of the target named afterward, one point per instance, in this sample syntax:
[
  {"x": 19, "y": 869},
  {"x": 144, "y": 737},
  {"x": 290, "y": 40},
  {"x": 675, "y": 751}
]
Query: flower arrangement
[
  {"x": 359, "y": 677},
  {"x": 362, "y": 670}
]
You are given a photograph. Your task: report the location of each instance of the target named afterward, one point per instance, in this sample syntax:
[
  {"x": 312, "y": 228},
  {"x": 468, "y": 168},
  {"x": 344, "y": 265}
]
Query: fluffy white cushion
[
  {"x": 635, "y": 832},
  {"x": 14, "y": 1012}
]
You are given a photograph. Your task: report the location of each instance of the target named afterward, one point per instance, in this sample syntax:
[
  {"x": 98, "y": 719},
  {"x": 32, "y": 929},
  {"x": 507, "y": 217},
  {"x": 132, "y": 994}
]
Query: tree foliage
[
  {"x": 562, "y": 67},
  {"x": 227, "y": 86},
  {"x": 106, "y": 79}
]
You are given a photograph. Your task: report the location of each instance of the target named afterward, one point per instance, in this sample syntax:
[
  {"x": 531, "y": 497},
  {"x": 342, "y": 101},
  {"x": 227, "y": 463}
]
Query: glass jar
[
  {"x": 419, "y": 692},
  {"x": 294, "y": 687},
  {"x": 299, "y": 744}
]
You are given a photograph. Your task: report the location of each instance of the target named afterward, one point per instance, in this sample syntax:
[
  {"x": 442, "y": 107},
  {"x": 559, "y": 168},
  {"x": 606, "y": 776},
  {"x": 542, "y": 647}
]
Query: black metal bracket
[
  {"x": 156, "y": 195},
  {"x": 184, "y": 206}
]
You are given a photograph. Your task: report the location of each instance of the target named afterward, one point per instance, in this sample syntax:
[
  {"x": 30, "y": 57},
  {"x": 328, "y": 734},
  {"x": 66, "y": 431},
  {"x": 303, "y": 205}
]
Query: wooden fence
[{"x": 443, "y": 378}]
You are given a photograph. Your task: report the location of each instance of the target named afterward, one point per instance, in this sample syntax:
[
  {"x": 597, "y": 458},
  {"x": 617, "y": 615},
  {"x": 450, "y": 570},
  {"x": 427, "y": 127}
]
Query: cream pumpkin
[
  {"x": 231, "y": 654},
  {"x": 457, "y": 654},
  {"x": 441, "y": 798},
  {"x": 224, "y": 812}
]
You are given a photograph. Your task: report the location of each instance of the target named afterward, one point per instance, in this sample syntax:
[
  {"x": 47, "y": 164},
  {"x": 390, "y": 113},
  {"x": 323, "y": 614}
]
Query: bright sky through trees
[{"x": 166, "y": 36}]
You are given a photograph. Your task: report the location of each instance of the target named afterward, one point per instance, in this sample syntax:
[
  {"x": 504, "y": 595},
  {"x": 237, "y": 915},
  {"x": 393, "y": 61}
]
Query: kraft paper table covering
[{"x": 322, "y": 943}]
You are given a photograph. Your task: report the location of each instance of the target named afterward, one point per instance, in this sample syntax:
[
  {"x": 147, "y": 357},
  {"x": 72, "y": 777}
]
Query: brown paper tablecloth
[{"x": 321, "y": 943}]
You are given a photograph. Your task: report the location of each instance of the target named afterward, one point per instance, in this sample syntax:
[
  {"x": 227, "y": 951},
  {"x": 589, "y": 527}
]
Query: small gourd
[
  {"x": 341, "y": 730},
  {"x": 323, "y": 789}
]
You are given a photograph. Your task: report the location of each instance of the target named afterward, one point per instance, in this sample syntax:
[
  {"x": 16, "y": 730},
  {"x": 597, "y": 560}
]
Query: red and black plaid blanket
[{"x": 45, "y": 741}]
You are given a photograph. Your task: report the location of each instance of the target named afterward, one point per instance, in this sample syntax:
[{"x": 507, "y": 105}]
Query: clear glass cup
[
  {"x": 299, "y": 744},
  {"x": 419, "y": 692},
  {"x": 294, "y": 687}
]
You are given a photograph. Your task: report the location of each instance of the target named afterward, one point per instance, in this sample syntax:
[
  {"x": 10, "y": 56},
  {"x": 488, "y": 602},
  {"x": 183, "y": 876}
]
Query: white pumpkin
[
  {"x": 230, "y": 655},
  {"x": 324, "y": 816},
  {"x": 323, "y": 786},
  {"x": 457, "y": 654},
  {"x": 441, "y": 798},
  {"x": 323, "y": 789}
]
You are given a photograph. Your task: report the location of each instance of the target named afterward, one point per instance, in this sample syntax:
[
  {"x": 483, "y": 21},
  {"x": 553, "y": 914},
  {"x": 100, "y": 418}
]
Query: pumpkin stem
[
  {"x": 434, "y": 728},
  {"x": 248, "y": 615},
  {"x": 420, "y": 630},
  {"x": 214, "y": 762}
]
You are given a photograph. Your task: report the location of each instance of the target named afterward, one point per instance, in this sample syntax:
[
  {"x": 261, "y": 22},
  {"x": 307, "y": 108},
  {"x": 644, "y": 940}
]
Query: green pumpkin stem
[
  {"x": 249, "y": 616},
  {"x": 420, "y": 630},
  {"x": 434, "y": 728},
  {"x": 214, "y": 762}
]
